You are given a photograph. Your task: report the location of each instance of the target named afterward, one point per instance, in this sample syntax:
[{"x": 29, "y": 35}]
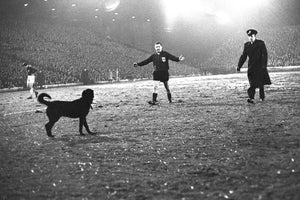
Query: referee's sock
[{"x": 154, "y": 97}]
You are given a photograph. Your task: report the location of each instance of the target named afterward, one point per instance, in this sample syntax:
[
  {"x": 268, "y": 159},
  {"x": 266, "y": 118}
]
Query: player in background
[
  {"x": 31, "y": 80},
  {"x": 160, "y": 60}
]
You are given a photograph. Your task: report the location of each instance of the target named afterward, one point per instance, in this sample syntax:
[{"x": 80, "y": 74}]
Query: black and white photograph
[{"x": 150, "y": 99}]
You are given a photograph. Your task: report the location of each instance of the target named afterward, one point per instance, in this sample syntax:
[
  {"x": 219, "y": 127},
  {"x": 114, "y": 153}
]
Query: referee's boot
[
  {"x": 251, "y": 101},
  {"x": 154, "y": 99}
]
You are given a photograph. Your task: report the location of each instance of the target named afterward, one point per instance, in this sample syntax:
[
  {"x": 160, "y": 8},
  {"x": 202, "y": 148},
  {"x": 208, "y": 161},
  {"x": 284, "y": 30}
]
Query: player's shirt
[{"x": 160, "y": 61}]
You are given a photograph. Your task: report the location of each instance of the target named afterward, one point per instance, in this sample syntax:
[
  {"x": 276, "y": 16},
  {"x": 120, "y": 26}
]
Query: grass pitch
[{"x": 208, "y": 144}]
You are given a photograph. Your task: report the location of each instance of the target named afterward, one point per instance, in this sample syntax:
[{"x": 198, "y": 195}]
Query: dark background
[{"x": 195, "y": 37}]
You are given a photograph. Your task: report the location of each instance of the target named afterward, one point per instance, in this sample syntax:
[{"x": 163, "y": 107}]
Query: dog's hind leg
[{"x": 49, "y": 126}]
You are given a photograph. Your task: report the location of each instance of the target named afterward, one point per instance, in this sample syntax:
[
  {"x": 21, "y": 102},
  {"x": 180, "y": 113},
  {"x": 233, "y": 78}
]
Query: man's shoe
[
  {"x": 29, "y": 97},
  {"x": 153, "y": 103},
  {"x": 262, "y": 99},
  {"x": 250, "y": 101},
  {"x": 170, "y": 97}
]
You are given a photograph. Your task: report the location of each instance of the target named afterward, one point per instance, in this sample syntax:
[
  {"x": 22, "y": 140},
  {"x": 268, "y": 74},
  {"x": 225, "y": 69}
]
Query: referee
[{"x": 160, "y": 60}]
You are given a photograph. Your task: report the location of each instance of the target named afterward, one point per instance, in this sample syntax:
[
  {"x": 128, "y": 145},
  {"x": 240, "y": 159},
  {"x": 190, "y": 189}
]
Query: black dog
[{"x": 78, "y": 108}]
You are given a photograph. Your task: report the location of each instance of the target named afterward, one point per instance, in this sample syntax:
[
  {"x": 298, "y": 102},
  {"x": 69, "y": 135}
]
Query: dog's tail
[{"x": 42, "y": 100}]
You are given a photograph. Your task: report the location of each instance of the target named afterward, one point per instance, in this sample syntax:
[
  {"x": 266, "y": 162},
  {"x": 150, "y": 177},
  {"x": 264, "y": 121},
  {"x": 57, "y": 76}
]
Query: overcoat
[{"x": 257, "y": 64}]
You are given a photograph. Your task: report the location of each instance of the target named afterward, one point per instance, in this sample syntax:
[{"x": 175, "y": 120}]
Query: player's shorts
[
  {"x": 162, "y": 76},
  {"x": 30, "y": 80}
]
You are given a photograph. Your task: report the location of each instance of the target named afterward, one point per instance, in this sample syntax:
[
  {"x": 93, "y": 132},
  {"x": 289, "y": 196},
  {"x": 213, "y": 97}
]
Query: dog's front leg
[
  {"x": 87, "y": 127},
  {"x": 81, "y": 122}
]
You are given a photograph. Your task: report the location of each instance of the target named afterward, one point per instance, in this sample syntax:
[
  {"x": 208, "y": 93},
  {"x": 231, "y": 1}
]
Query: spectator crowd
[{"x": 61, "y": 51}]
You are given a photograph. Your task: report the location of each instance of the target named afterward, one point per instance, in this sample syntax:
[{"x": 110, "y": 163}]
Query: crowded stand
[{"x": 61, "y": 51}]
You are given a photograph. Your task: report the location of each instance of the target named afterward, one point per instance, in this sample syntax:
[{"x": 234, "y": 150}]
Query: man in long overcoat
[{"x": 258, "y": 75}]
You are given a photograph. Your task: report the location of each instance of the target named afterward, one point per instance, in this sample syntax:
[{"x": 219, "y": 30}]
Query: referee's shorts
[
  {"x": 162, "y": 76},
  {"x": 30, "y": 80}
]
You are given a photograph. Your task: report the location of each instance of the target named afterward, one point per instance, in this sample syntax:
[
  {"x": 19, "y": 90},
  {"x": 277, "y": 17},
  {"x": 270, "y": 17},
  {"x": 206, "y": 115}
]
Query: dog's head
[{"x": 88, "y": 95}]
